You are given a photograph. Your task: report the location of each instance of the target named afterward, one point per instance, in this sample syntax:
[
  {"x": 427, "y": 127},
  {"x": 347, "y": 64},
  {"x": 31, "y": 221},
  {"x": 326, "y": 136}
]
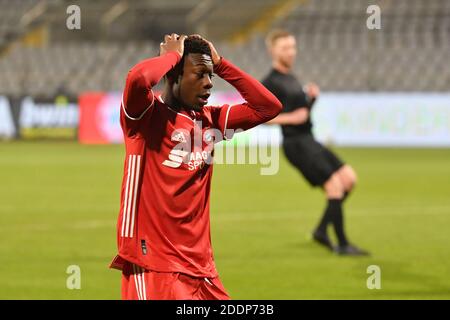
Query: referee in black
[{"x": 319, "y": 165}]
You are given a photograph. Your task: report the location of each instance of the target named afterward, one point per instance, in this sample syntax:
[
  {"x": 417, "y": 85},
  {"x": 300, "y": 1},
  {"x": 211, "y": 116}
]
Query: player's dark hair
[
  {"x": 192, "y": 44},
  {"x": 195, "y": 44}
]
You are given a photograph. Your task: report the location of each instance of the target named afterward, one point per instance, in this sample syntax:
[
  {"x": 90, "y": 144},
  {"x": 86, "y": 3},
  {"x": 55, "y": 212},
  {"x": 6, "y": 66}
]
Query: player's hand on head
[
  {"x": 214, "y": 54},
  {"x": 312, "y": 90},
  {"x": 172, "y": 43}
]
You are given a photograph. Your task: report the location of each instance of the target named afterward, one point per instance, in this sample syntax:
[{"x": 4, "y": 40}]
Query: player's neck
[
  {"x": 169, "y": 99},
  {"x": 174, "y": 103},
  {"x": 280, "y": 67}
]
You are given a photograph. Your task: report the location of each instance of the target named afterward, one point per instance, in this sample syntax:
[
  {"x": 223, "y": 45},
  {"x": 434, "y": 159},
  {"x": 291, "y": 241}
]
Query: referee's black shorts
[{"x": 314, "y": 161}]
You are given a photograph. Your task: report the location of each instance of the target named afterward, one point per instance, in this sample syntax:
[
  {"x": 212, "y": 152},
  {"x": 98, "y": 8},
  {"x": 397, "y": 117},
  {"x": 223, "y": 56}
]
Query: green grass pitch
[{"x": 60, "y": 200}]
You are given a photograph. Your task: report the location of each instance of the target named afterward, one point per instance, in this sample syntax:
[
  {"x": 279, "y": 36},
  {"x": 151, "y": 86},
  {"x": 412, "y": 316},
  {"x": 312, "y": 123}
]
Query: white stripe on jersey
[
  {"x": 144, "y": 293},
  {"x": 130, "y": 195},
  {"x": 129, "y": 199},
  {"x": 136, "y": 282},
  {"x": 126, "y": 197},
  {"x": 133, "y": 212},
  {"x": 139, "y": 275}
]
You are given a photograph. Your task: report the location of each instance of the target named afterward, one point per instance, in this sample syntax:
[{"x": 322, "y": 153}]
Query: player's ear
[
  {"x": 174, "y": 75},
  {"x": 169, "y": 76},
  {"x": 178, "y": 72}
]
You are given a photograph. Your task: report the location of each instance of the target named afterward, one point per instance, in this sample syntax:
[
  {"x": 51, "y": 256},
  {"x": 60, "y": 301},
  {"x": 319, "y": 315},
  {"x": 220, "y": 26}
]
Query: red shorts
[{"x": 140, "y": 284}]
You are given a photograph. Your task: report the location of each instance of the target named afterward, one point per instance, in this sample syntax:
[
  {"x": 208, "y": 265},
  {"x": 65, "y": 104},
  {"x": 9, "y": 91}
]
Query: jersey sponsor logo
[
  {"x": 175, "y": 158},
  {"x": 129, "y": 200},
  {"x": 198, "y": 159},
  {"x": 182, "y": 153},
  {"x": 194, "y": 160}
]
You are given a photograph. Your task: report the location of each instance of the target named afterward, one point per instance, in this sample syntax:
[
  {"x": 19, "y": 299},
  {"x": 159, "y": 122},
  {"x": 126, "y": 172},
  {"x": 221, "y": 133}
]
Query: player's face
[
  {"x": 193, "y": 88},
  {"x": 284, "y": 50}
]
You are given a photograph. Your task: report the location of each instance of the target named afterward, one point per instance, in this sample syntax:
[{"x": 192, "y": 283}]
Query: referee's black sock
[
  {"x": 327, "y": 218},
  {"x": 337, "y": 216}
]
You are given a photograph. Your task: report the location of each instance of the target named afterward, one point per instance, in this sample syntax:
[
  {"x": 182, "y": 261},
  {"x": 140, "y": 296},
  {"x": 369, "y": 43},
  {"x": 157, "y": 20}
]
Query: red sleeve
[
  {"x": 138, "y": 96},
  {"x": 260, "y": 106}
]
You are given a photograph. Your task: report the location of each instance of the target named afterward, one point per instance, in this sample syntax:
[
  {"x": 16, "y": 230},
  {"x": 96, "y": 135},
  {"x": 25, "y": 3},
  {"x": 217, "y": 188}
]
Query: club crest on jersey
[{"x": 208, "y": 137}]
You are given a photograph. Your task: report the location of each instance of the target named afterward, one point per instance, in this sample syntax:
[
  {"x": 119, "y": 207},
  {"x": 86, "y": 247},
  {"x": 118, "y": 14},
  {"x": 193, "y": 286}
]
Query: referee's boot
[
  {"x": 350, "y": 250},
  {"x": 322, "y": 239}
]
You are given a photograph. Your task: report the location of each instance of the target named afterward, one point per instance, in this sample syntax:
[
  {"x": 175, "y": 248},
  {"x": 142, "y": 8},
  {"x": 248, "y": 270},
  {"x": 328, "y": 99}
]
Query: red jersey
[{"x": 164, "y": 222}]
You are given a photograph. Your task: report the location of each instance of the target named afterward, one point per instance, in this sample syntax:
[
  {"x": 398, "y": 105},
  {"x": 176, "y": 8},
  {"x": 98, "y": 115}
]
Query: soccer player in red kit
[{"x": 163, "y": 228}]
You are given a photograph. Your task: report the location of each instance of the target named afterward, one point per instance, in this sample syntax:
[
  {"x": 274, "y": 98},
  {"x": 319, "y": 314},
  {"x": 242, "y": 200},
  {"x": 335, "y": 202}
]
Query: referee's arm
[
  {"x": 301, "y": 113},
  {"x": 298, "y": 116}
]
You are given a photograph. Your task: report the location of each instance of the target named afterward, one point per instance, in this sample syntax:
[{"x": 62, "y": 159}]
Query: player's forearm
[
  {"x": 265, "y": 105},
  {"x": 145, "y": 75},
  {"x": 150, "y": 71}
]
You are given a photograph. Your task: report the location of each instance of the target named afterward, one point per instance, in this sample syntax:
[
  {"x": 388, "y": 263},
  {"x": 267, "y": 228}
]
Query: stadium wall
[
  {"x": 30, "y": 118},
  {"x": 342, "y": 119}
]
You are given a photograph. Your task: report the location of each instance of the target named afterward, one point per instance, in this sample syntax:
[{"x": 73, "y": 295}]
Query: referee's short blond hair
[{"x": 276, "y": 34}]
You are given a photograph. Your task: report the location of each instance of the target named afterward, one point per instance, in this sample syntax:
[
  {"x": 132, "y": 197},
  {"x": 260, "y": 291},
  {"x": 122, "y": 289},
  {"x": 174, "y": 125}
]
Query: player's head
[
  {"x": 282, "y": 47},
  {"x": 190, "y": 80}
]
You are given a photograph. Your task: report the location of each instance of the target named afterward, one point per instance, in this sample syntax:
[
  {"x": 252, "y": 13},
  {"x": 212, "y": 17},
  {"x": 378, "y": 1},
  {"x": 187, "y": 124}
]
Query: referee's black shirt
[{"x": 290, "y": 93}]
